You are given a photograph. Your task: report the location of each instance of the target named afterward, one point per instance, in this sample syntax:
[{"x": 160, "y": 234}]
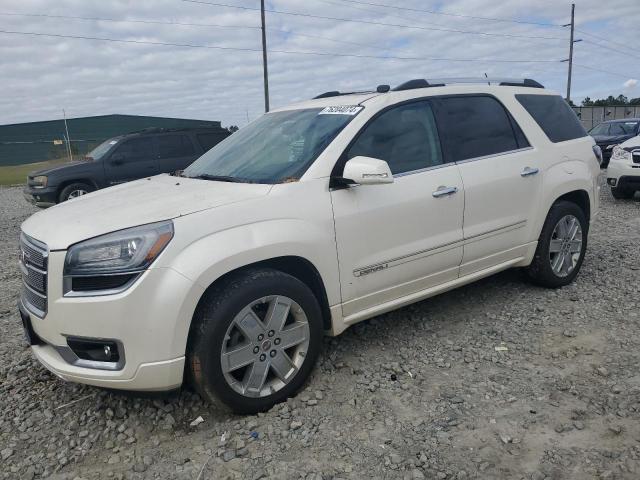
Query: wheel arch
[
  {"x": 66, "y": 183},
  {"x": 296, "y": 266}
]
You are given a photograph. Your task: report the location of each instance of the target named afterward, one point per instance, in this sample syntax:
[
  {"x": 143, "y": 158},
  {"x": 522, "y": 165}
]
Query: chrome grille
[{"x": 33, "y": 264}]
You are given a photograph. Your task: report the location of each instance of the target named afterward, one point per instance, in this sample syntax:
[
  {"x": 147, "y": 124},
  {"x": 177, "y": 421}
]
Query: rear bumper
[{"x": 41, "y": 197}]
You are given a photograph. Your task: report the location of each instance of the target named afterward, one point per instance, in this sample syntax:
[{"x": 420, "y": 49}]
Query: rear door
[
  {"x": 501, "y": 174},
  {"x": 134, "y": 158},
  {"x": 175, "y": 152}
]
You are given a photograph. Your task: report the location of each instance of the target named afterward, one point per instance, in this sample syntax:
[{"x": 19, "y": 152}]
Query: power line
[
  {"x": 433, "y": 12},
  {"x": 603, "y": 38},
  {"x": 611, "y": 48},
  {"x": 627, "y": 77},
  {"x": 369, "y": 22},
  {"x": 184, "y": 24},
  {"x": 291, "y": 52}
]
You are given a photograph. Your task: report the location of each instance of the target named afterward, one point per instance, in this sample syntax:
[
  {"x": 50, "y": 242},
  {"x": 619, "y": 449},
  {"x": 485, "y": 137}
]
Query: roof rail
[
  {"x": 440, "y": 82},
  {"x": 336, "y": 93}
]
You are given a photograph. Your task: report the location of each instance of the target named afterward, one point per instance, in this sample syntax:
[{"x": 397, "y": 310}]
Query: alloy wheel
[
  {"x": 265, "y": 346},
  {"x": 565, "y": 246}
]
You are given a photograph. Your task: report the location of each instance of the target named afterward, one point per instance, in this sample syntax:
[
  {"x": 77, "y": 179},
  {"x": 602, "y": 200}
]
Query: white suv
[
  {"x": 312, "y": 218},
  {"x": 623, "y": 172}
]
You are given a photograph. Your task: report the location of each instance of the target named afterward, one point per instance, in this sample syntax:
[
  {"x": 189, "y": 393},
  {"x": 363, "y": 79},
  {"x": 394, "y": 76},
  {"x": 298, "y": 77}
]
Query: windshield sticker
[
  {"x": 341, "y": 110},
  {"x": 113, "y": 142}
]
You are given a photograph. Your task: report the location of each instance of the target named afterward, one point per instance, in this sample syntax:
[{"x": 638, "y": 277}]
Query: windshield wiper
[{"x": 218, "y": 178}]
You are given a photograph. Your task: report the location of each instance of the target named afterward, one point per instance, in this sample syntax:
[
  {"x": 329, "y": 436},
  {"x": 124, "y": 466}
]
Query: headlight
[
  {"x": 40, "y": 181},
  {"x": 122, "y": 252},
  {"x": 620, "y": 153},
  {"x": 609, "y": 147}
]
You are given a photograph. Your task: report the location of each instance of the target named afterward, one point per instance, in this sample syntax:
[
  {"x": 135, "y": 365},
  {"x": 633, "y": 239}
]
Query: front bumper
[
  {"x": 41, "y": 197},
  {"x": 625, "y": 168},
  {"x": 150, "y": 321}
]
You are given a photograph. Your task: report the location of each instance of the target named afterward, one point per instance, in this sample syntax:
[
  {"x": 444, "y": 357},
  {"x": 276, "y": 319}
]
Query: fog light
[
  {"x": 612, "y": 181},
  {"x": 94, "y": 349}
]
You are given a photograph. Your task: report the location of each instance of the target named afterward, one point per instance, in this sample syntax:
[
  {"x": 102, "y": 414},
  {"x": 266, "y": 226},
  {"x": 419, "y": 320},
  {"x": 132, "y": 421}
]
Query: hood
[
  {"x": 55, "y": 168},
  {"x": 136, "y": 203},
  {"x": 632, "y": 142},
  {"x": 609, "y": 139}
]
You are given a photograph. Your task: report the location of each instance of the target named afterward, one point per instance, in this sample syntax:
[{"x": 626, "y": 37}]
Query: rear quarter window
[{"x": 556, "y": 119}]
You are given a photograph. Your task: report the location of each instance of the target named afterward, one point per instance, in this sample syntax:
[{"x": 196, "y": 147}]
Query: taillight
[{"x": 597, "y": 151}]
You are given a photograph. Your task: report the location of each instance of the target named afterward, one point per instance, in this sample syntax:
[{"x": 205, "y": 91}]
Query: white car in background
[
  {"x": 623, "y": 172},
  {"x": 310, "y": 219}
]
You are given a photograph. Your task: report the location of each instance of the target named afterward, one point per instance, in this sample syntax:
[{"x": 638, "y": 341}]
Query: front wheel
[
  {"x": 561, "y": 246},
  {"x": 255, "y": 340},
  {"x": 74, "y": 190}
]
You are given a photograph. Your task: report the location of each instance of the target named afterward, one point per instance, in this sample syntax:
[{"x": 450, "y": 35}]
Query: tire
[
  {"x": 621, "y": 193},
  {"x": 552, "y": 250},
  {"x": 216, "y": 333},
  {"x": 74, "y": 190}
]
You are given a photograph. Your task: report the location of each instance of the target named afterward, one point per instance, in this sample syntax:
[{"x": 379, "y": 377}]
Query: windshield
[
  {"x": 278, "y": 147},
  {"x": 101, "y": 149},
  {"x": 602, "y": 129},
  {"x": 623, "y": 128}
]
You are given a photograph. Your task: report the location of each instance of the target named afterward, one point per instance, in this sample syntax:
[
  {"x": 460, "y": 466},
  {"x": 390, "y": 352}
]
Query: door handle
[
  {"x": 442, "y": 191},
  {"x": 528, "y": 171}
]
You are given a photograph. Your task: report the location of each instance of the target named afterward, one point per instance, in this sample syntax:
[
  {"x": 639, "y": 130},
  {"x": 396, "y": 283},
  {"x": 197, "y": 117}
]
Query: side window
[
  {"x": 209, "y": 140},
  {"x": 170, "y": 146},
  {"x": 472, "y": 127},
  {"x": 405, "y": 137},
  {"x": 556, "y": 119},
  {"x": 135, "y": 149}
]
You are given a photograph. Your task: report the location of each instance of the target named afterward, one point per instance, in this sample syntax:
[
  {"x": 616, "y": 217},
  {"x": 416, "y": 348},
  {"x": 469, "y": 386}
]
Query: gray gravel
[{"x": 499, "y": 379}]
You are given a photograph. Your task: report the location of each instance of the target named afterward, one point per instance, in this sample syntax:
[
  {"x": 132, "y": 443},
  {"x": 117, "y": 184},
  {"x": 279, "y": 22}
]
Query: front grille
[{"x": 33, "y": 264}]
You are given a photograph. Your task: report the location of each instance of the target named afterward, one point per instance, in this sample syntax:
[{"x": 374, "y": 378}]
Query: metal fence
[{"x": 592, "y": 116}]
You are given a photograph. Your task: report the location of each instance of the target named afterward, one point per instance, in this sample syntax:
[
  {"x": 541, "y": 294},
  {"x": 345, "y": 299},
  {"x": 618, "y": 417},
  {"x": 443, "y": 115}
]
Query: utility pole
[
  {"x": 64, "y": 115},
  {"x": 573, "y": 8},
  {"x": 264, "y": 59}
]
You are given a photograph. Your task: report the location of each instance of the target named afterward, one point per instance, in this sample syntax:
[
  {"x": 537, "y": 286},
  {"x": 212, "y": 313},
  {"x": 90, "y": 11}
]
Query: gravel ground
[{"x": 498, "y": 379}]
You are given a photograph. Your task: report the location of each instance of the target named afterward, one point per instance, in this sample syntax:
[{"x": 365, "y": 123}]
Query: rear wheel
[
  {"x": 74, "y": 190},
  {"x": 621, "y": 193},
  {"x": 561, "y": 246},
  {"x": 255, "y": 340}
]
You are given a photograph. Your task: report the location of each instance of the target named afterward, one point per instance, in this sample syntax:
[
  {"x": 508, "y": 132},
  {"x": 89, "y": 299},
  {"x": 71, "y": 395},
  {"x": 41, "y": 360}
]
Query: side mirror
[{"x": 367, "y": 171}]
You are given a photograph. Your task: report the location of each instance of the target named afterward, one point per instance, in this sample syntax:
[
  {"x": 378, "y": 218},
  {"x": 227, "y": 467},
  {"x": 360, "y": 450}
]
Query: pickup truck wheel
[
  {"x": 561, "y": 246},
  {"x": 74, "y": 190},
  {"x": 255, "y": 340}
]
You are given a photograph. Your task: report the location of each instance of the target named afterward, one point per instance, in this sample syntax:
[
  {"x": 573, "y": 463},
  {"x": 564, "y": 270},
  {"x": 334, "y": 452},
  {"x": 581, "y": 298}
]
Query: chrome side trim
[
  {"x": 420, "y": 170},
  {"x": 474, "y": 159},
  {"x": 394, "y": 262}
]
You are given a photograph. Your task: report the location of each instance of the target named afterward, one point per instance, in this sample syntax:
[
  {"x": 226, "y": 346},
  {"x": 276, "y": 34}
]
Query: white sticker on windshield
[
  {"x": 341, "y": 110},
  {"x": 113, "y": 142}
]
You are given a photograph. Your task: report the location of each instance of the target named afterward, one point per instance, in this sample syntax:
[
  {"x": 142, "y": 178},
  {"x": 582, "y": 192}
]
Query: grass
[{"x": 17, "y": 174}]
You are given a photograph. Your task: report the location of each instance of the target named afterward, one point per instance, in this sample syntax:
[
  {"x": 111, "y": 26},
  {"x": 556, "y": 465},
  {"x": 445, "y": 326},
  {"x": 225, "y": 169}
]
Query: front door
[
  {"x": 397, "y": 239},
  {"x": 134, "y": 158}
]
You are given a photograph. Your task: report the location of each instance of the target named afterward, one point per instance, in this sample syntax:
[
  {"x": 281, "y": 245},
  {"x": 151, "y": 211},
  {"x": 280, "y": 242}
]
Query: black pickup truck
[{"x": 122, "y": 159}]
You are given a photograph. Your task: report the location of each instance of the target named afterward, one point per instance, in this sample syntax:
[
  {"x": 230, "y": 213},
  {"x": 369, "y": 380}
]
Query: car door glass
[
  {"x": 172, "y": 146},
  {"x": 405, "y": 137},
  {"x": 473, "y": 127},
  {"x": 134, "y": 150}
]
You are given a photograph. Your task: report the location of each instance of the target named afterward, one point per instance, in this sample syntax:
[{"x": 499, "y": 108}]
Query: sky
[{"x": 352, "y": 50}]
